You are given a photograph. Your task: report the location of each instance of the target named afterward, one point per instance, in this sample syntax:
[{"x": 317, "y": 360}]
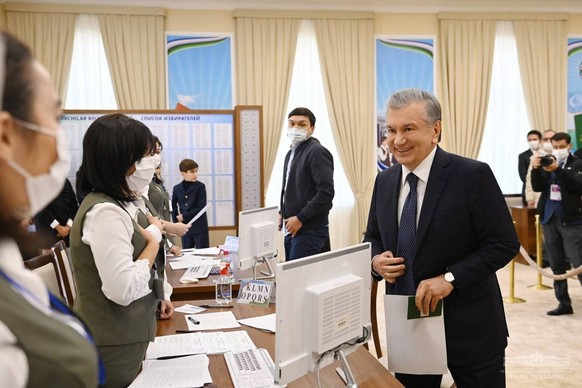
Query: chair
[
  {"x": 374, "y": 319},
  {"x": 67, "y": 281},
  {"x": 45, "y": 266}
]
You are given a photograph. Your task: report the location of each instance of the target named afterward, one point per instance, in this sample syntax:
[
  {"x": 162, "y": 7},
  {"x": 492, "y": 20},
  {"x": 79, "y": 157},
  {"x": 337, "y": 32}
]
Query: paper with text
[
  {"x": 212, "y": 321},
  {"x": 189, "y": 309},
  {"x": 191, "y": 371},
  {"x": 193, "y": 261},
  {"x": 198, "y": 343},
  {"x": 415, "y": 346}
]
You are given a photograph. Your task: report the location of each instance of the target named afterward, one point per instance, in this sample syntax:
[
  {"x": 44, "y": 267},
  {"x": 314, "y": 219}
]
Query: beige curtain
[
  {"x": 541, "y": 47},
  {"x": 346, "y": 51},
  {"x": 50, "y": 37},
  {"x": 466, "y": 57},
  {"x": 135, "y": 50},
  {"x": 265, "y": 51}
]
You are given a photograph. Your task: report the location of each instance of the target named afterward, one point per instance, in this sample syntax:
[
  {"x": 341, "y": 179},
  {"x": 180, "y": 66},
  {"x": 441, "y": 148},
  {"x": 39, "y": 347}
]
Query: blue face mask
[{"x": 42, "y": 189}]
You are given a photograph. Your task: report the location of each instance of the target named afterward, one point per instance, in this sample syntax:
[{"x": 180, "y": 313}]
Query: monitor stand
[
  {"x": 348, "y": 377},
  {"x": 269, "y": 274}
]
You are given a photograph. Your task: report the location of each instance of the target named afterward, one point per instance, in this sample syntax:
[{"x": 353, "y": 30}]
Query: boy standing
[{"x": 188, "y": 198}]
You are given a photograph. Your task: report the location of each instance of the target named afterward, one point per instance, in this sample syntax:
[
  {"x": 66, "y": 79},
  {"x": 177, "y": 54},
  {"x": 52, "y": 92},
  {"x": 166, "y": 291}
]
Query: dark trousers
[
  {"x": 485, "y": 374},
  {"x": 198, "y": 240},
  {"x": 307, "y": 242},
  {"x": 563, "y": 242}
]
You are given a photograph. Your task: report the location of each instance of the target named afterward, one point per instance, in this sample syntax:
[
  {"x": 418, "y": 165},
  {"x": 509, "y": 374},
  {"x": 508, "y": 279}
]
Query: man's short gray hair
[{"x": 405, "y": 97}]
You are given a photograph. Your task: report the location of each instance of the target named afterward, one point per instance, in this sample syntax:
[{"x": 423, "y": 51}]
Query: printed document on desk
[
  {"x": 212, "y": 321},
  {"x": 191, "y": 371},
  {"x": 198, "y": 343},
  {"x": 192, "y": 261},
  {"x": 417, "y": 346}
]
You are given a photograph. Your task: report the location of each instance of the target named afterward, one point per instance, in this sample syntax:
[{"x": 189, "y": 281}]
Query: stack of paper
[{"x": 191, "y": 371}]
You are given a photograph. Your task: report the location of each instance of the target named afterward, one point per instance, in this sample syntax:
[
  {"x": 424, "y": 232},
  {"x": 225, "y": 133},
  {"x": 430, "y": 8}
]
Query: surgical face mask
[
  {"x": 157, "y": 160},
  {"x": 534, "y": 145},
  {"x": 561, "y": 155},
  {"x": 42, "y": 189},
  {"x": 296, "y": 135},
  {"x": 141, "y": 178},
  {"x": 547, "y": 147}
]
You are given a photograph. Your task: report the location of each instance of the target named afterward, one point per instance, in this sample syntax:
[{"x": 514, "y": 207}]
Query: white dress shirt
[{"x": 422, "y": 171}]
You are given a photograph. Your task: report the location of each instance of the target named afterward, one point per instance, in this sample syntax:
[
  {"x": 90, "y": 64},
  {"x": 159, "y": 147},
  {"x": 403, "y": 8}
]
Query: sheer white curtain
[
  {"x": 90, "y": 85},
  {"x": 307, "y": 90},
  {"x": 507, "y": 122}
]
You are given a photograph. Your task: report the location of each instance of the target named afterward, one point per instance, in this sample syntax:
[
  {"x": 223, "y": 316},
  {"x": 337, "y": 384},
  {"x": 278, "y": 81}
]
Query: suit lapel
[
  {"x": 436, "y": 182},
  {"x": 390, "y": 212}
]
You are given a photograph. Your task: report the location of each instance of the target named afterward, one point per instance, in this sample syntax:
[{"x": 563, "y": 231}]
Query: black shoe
[{"x": 561, "y": 310}]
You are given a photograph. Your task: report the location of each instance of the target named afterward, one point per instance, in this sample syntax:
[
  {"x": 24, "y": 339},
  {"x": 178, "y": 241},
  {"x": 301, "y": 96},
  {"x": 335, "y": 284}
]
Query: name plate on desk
[{"x": 255, "y": 292}]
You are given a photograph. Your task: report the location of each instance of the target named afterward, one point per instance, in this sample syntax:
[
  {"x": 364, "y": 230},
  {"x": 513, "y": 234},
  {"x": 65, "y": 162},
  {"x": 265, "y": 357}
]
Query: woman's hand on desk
[{"x": 166, "y": 310}]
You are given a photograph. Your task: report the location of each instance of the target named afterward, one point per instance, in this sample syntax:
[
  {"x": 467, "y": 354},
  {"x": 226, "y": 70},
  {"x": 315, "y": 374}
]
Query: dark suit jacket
[
  {"x": 62, "y": 208},
  {"x": 522, "y": 166},
  {"x": 464, "y": 228},
  {"x": 189, "y": 202}
]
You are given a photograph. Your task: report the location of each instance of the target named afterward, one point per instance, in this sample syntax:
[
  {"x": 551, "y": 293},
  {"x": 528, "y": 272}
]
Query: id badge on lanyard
[{"x": 555, "y": 192}]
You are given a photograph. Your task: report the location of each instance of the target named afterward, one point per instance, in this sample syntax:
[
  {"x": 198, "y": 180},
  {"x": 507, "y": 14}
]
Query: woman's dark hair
[
  {"x": 158, "y": 141},
  {"x": 17, "y": 99},
  {"x": 112, "y": 144}
]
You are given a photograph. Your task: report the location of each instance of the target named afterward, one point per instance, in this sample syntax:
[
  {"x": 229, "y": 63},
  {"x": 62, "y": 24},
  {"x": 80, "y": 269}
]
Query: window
[
  {"x": 90, "y": 85},
  {"x": 507, "y": 122},
  {"x": 307, "y": 90}
]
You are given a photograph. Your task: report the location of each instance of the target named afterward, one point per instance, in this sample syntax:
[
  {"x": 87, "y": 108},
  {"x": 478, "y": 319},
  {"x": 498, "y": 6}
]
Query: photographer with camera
[{"x": 559, "y": 178}]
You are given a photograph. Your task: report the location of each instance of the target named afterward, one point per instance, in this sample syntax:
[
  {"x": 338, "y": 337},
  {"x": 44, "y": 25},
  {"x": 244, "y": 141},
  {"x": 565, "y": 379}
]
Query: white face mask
[
  {"x": 42, "y": 189},
  {"x": 296, "y": 135},
  {"x": 157, "y": 160},
  {"x": 141, "y": 178},
  {"x": 534, "y": 145},
  {"x": 547, "y": 147},
  {"x": 561, "y": 155}
]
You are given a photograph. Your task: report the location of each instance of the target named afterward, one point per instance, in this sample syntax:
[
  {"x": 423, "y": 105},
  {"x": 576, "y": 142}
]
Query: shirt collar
[{"x": 422, "y": 171}]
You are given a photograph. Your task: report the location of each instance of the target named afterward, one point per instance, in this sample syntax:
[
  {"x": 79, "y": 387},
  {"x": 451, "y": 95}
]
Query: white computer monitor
[
  {"x": 257, "y": 229},
  {"x": 322, "y": 301}
]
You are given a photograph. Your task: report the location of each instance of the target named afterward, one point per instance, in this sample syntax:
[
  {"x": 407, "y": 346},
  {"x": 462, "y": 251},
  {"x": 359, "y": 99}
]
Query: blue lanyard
[{"x": 59, "y": 306}]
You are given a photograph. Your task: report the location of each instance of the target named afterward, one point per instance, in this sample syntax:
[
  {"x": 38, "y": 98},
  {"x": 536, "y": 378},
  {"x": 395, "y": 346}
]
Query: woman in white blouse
[
  {"x": 114, "y": 258},
  {"x": 41, "y": 341}
]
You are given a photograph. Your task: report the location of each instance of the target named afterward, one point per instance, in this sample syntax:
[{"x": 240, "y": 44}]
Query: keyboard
[
  {"x": 192, "y": 274},
  {"x": 252, "y": 368}
]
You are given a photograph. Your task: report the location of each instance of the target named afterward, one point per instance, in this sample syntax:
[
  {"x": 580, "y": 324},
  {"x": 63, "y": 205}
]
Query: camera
[{"x": 547, "y": 160}]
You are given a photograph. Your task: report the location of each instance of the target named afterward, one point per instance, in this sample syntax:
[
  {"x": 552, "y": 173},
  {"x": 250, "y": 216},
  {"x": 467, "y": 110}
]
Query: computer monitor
[
  {"x": 257, "y": 229},
  {"x": 323, "y": 301}
]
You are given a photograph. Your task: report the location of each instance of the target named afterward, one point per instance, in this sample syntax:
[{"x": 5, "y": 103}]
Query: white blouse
[{"x": 108, "y": 230}]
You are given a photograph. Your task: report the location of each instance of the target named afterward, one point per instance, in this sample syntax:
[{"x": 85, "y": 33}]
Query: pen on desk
[
  {"x": 216, "y": 306},
  {"x": 193, "y": 321}
]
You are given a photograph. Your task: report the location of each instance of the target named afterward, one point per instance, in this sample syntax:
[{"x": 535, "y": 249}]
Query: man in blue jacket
[{"x": 307, "y": 192}]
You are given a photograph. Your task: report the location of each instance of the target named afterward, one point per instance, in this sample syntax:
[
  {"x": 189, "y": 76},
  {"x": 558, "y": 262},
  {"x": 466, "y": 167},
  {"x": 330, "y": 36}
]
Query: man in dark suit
[
  {"x": 463, "y": 235},
  {"x": 54, "y": 222},
  {"x": 523, "y": 160}
]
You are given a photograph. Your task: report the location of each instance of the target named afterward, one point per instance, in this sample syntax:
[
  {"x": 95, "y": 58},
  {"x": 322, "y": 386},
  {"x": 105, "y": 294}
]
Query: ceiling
[{"x": 418, "y": 6}]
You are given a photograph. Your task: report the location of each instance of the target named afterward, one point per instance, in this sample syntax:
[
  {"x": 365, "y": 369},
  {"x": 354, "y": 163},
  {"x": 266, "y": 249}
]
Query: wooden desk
[
  {"x": 367, "y": 371},
  {"x": 203, "y": 289},
  {"x": 524, "y": 219}
]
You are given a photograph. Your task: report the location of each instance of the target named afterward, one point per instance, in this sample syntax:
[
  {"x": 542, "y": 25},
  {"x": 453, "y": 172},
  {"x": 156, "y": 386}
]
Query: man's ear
[
  {"x": 7, "y": 136},
  {"x": 437, "y": 128}
]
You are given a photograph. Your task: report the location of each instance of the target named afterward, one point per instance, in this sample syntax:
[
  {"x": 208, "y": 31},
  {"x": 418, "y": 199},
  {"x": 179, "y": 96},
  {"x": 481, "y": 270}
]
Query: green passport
[{"x": 413, "y": 312}]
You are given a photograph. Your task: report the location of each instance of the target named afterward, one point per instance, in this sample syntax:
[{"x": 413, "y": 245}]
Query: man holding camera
[{"x": 559, "y": 178}]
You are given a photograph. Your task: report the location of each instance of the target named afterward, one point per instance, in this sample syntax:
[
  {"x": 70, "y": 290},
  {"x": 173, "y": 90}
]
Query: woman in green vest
[
  {"x": 41, "y": 341},
  {"x": 113, "y": 257}
]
